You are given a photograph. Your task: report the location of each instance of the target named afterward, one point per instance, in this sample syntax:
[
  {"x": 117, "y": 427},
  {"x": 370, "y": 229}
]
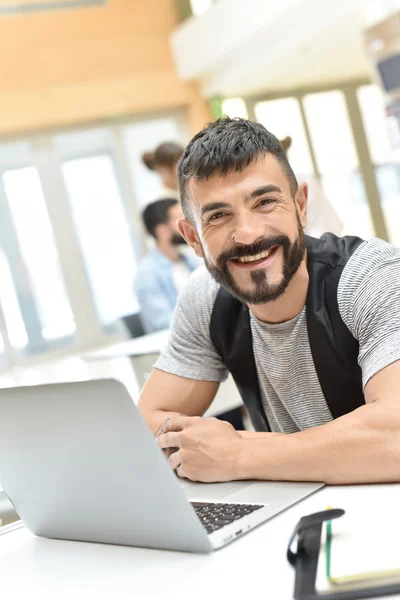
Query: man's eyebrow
[
  {"x": 213, "y": 206},
  {"x": 265, "y": 189}
]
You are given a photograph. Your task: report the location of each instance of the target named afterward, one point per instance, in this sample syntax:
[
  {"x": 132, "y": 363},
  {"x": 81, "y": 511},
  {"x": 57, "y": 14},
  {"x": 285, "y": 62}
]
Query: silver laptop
[{"x": 78, "y": 462}]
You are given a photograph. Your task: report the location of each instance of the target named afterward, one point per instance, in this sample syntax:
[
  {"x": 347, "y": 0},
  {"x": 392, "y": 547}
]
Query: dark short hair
[
  {"x": 156, "y": 213},
  {"x": 166, "y": 154},
  {"x": 224, "y": 146}
]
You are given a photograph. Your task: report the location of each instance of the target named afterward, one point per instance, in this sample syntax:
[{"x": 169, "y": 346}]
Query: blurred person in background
[
  {"x": 164, "y": 161},
  {"x": 321, "y": 216},
  {"x": 165, "y": 270}
]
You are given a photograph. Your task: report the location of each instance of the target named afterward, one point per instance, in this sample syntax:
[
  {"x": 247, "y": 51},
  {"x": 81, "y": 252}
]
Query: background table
[{"x": 143, "y": 353}]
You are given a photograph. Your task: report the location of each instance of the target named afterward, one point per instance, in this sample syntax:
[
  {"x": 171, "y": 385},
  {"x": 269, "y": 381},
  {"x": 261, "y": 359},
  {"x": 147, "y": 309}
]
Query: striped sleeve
[
  {"x": 369, "y": 304},
  {"x": 190, "y": 352}
]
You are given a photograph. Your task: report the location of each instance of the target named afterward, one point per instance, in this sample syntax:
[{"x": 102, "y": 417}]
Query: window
[
  {"x": 103, "y": 233},
  {"x": 17, "y": 334},
  {"x": 199, "y": 7},
  {"x": 372, "y": 108},
  {"x": 39, "y": 253},
  {"x": 337, "y": 160},
  {"x": 330, "y": 131},
  {"x": 234, "y": 107},
  {"x": 283, "y": 118},
  {"x": 69, "y": 205},
  {"x": 387, "y": 165}
]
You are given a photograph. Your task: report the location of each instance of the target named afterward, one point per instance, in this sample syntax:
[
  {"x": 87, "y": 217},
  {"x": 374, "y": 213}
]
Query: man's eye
[
  {"x": 266, "y": 201},
  {"x": 217, "y": 215}
]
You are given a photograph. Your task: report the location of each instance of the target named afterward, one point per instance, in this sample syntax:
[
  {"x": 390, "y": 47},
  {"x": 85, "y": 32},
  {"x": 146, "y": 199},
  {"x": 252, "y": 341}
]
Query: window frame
[{"x": 41, "y": 151}]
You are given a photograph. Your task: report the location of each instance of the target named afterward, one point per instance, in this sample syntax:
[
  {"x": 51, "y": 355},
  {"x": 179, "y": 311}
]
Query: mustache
[{"x": 252, "y": 249}]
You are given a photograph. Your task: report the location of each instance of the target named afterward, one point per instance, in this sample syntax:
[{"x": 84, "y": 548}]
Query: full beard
[{"x": 262, "y": 291}]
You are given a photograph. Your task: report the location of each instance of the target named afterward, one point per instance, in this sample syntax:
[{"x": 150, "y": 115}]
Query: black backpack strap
[
  {"x": 230, "y": 332},
  {"x": 333, "y": 347}
]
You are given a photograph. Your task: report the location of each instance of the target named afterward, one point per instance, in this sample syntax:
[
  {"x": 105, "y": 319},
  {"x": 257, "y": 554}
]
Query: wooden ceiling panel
[
  {"x": 16, "y": 6},
  {"x": 65, "y": 66}
]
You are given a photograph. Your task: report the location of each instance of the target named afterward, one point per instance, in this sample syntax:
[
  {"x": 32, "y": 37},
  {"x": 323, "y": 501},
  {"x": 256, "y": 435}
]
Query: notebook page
[{"x": 364, "y": 541}]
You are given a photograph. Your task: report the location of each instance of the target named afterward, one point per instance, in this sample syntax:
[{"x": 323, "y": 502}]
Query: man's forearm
[
  {"x": 363, "y": 446},
  {"x": 255, "y": 434},
  {"x": 156, "y": 418}
]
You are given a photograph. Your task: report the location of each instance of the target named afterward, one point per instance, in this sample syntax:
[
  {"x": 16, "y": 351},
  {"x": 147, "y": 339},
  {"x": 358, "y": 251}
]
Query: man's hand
[
  {"x": 207, "y": 449},
  {"x": 160, "y": 430}
]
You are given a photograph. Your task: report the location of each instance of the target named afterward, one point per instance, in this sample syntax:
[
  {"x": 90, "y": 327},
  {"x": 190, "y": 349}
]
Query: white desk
[
  {"x": 252, "y": 567},
  {"x": 143, "y": 353},
  {"x": 145, "y": 345}
]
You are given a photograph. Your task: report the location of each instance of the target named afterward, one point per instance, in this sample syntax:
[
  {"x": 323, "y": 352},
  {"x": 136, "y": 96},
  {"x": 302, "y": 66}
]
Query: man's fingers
[
  {"x": 169, "y": 440},
  {"x": 175, "y": 460},
  {"x": 169, "y": 451},
  {"x": 180, "y": 472},
  {"x": 161, "y": 428},
  {"x": 175, "y": 423}
]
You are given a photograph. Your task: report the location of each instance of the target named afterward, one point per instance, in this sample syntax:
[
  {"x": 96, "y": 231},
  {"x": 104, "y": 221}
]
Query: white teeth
[{"x": 265, "y": 254}]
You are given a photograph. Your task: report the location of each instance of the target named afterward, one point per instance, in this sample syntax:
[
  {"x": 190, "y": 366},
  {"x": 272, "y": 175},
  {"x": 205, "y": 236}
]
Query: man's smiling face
[{"x": 249, "y": 228}]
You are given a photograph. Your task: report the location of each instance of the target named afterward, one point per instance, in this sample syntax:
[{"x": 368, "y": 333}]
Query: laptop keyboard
[{"x": 214, "y": 516}]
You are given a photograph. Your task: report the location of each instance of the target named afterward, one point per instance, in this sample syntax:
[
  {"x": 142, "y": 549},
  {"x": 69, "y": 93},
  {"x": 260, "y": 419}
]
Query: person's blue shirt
[{"x": 156, "y": 290}]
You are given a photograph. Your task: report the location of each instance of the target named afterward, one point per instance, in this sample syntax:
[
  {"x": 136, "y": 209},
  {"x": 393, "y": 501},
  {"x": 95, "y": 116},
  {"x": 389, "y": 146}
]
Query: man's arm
[
  {"x": 165, "y": 395},
  {"x": 363, "y": 446}
]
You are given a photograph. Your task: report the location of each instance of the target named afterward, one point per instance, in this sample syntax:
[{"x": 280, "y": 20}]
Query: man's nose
[{"x": 248, "y": 229}]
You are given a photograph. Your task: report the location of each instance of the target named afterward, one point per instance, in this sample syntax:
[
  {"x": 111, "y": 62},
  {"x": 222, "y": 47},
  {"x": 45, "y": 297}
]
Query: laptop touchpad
[
  {"x": 252, "y": 492},
  {"x": 234, "y": 491},
  {"x": 280, "y": 492},
  {"x": 214, "y": 492}
]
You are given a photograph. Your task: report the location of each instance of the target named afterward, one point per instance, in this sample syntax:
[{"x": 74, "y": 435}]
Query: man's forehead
[{"x": 263, "y": 171}]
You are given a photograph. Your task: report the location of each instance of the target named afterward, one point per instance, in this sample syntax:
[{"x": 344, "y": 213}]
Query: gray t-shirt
[{"x": 369, "y": 304}]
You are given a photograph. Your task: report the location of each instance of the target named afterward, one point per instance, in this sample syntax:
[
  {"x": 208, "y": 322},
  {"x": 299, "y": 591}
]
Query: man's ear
[
  {"x": 301, "y": 200},
  {"x": 188, "y": 231}
]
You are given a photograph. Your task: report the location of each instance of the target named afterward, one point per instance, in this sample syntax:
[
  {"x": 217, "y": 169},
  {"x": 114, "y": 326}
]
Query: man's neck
[
  {"x": 169, "y": 250},
  {"x": 290, "y": 304}
]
